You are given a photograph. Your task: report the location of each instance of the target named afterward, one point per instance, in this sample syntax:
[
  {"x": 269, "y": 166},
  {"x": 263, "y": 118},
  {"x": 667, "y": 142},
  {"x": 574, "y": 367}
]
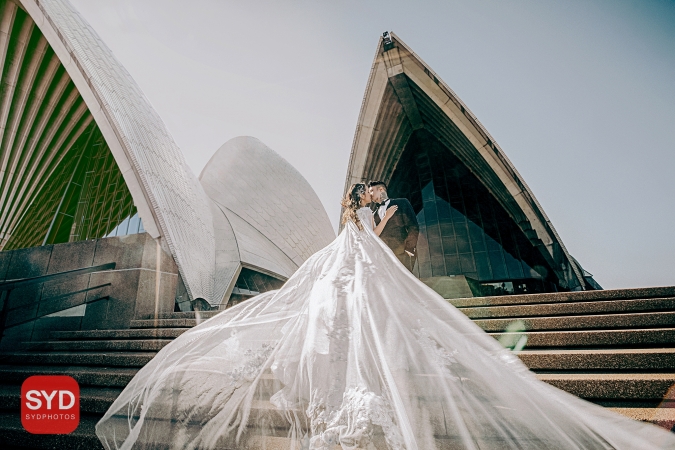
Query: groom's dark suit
[{"x": 401, "y": 232}]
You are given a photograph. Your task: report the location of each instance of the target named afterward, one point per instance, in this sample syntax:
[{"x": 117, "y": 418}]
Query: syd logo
[{"x": 50, "y": 404}]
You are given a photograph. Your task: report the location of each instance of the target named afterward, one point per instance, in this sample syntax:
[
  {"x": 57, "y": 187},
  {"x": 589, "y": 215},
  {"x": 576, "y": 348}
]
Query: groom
[{"x": 401, "y": 232}]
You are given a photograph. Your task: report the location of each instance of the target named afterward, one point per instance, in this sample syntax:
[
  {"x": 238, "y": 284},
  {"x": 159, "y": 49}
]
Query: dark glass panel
[
  {"x": 482, "y": 266},
  {"x": 476, "y": 236},
  {"x": 498, "y": 266},
  {"x": 443, "y": 209},
  {"x": 431, "y": 214},
  {"x": 438, "y": 265},
  {"x": 478, "y": 246},
  {"x": 433, "y": 234},
  {"x": 425, "y": 269},
  {"x": 463, "y": 228},
  {"x": 507, "y": 241},
  {"x": 472, "y": 211},
  {"x": 462, "y": 241},
  {"x": 467, "y": 262},
  {"x": 428, "y": 193},
  {"x": 513, "y": 266},
  {"x": 256, "y": 282},
  {"x": 447, "y": 230},
  {"x": 449, "y": 243},
  {"x": 472, "y": 275},
  {"x": 491, "y": 244},
  {"x": 475, "y": 231},
  {"x": 452, "y": 264},
  {"x": 422, "y": 247},
  {"x": 529, "y": 271},
  {"x": 457, "y": 211}
]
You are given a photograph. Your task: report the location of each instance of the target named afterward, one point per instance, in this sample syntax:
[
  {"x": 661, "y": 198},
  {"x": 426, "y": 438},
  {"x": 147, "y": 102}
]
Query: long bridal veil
[{"x": 353, "y": 352}]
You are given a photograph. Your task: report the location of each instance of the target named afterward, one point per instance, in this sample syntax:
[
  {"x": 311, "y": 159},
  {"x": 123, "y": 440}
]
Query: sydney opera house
[
  {"x": 85, "y": 157},
  {"x": 110, "y": 247},
  {"x": 478, "y": 219}
]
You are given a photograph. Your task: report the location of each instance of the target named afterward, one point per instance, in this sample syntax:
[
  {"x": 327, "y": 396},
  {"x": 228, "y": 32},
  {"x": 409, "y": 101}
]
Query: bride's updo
[{"x": 351, "y": 202}]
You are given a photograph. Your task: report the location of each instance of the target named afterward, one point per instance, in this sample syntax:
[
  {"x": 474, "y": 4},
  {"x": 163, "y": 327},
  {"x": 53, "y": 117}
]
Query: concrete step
[
  {"x": 165, "y": 323},
  {"x": 276, "y": 422},
  {"x": 598, "y": 321},
  {"x": 138, "y": 345},
  {"x": 561, "y": 297},
  {"x": 188, "y": 314},
  {"x": 648, "y": 359},
  {"x": 663, "y": 417},
  {"x": 85, "y": 376},
  {"x": 15, "y": 436},
  {"x": 93, "y": 400},
  {"x": 571, "y": 309},
  {"x": 276, "y": 438},
  {"x": 159, "y": 333},
  {"x": 608, "y": 386},
  {"x": 131, "y": 359},
  {"x": 636, "y": 386},
  {"x": 84, "y": 437},
  {"x": 661, "y": 337},
  {"x": 440, "y": 442}
]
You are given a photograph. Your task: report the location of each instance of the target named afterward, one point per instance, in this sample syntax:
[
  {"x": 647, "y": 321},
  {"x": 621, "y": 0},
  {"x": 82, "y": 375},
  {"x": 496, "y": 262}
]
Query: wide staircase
[
  {"x": 102, "y": 362},
  {"x": 613, "y": 347}
]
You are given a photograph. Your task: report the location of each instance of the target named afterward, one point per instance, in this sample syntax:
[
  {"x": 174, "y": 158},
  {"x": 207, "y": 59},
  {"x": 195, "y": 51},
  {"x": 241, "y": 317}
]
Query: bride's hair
[{"x": 351, "y": 202}]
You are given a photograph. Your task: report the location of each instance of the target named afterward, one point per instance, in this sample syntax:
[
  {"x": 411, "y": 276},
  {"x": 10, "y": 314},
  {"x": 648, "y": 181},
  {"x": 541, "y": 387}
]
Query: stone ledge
[
  {"x": 577, "y": 296},
  {"x": 597, "y": 338},
  {"x": 570, "y": 309},
  {"x": 598, "y": 321}
]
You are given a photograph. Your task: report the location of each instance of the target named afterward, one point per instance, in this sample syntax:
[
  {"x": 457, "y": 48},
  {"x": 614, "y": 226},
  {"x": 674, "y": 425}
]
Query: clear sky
[{"x": 579, "y": 94}]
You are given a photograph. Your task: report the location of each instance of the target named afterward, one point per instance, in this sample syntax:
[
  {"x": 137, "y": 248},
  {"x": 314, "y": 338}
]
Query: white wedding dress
[{"x": 353, "y": 352}]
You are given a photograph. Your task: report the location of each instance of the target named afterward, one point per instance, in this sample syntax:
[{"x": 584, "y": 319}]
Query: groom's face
[
  {"x": 373, "y": 194},
  {"x": 376, "y": 192}
]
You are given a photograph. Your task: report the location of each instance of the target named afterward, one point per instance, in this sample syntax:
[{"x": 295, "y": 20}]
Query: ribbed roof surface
[
  {"x": 276, "y": 216},
  {"x": 404, "y": 95},
  {"x": 169, "y": 197}
]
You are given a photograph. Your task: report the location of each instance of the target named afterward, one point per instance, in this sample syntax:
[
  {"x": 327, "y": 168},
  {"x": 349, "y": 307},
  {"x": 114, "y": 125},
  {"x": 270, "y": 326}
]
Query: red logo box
[{"x": 50, "y": 404}]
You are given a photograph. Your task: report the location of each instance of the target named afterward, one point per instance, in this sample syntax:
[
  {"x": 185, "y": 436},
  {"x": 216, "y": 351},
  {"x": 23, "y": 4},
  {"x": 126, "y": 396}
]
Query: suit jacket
[{"x": 402, "y": 230}]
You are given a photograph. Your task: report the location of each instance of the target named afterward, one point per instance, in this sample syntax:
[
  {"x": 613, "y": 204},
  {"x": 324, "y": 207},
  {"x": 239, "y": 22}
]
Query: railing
[{"x": 7, "y": 287}]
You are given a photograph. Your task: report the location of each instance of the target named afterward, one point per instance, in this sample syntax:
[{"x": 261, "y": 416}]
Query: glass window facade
[
  {"x": 251, "y": 283},
  {"x": 463, "y": 229},
  {"x": 85, "y": 198},
  {"x": 130, "y": 225}
]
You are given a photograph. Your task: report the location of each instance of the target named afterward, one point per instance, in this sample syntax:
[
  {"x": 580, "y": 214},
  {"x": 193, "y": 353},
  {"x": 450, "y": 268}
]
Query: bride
[{"x": 353, "y": 352}]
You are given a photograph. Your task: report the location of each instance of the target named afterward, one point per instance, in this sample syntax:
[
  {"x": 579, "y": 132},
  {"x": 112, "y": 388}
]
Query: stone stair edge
[
  {"x": 85, "y": 376},
  {"x": 163, "y": 323},
  {"x": 570, "y": 309},
  {"x": 127, "y": 333},
  {"x": 83, "y": 438},
  {"x": 622, "y": 338},
  {"x": 601, "y": 385},
  {"x": 81, "y": 358},
  {"x": 573, "y": 296},
  {"x": 120, "y": 345},
  {"x": 627, "y": 320}
]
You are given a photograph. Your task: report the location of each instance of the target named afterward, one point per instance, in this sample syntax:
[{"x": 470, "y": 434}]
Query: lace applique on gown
[{"x": 353, "y": 352}]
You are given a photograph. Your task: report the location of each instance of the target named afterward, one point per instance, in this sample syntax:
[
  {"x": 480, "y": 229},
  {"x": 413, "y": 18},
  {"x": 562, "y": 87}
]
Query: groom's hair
[{"x": 378, "y": 183}]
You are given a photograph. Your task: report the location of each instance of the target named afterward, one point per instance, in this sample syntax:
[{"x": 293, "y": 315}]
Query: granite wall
[{"x": 144, "y": 283}]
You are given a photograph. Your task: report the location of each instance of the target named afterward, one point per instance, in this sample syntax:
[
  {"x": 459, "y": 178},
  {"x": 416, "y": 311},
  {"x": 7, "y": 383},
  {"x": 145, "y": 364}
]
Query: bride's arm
[{"x": 390, "y": 212}]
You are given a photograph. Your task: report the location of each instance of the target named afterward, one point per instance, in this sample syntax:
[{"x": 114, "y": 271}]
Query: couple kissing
[{"x": 401, "y": 231}]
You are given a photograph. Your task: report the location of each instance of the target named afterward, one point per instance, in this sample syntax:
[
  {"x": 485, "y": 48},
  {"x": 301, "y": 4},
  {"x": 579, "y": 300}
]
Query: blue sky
[{"x": 579, "y": 94}]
